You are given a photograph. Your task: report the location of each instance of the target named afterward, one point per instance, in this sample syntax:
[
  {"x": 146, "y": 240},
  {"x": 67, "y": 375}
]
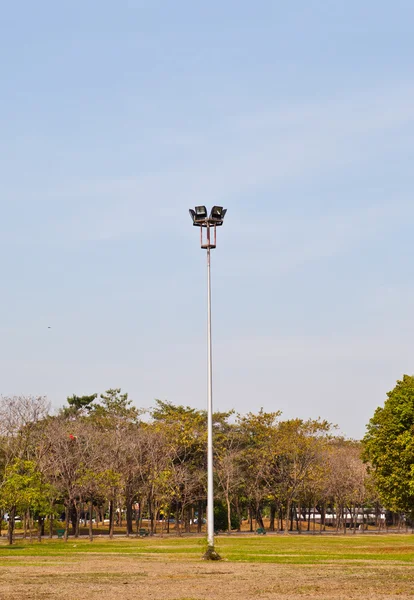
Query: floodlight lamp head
[
  {"x": 201, "y": 212},
  {"x": 199, "y": 216},
  {"x": 217, "y": 214}
]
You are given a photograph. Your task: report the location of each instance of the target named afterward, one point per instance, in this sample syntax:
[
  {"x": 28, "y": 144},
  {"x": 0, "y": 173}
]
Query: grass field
[{"x": 171, "y": 568}]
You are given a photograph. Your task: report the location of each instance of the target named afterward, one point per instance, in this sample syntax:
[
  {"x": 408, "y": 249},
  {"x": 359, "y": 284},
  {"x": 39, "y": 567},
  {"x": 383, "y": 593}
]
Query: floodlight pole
[
  {"x": 210, "y": 224},
  {"x": 210, "y": 481}
]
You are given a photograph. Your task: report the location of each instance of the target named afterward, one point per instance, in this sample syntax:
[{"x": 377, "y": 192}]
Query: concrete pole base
[{"x": 211, "y": 554}]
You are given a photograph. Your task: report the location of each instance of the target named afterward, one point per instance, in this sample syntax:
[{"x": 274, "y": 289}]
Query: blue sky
[{"x": 297, "y": 116}]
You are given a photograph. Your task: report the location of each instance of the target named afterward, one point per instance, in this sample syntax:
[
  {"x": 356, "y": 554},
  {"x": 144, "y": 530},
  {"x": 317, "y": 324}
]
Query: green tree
[
  {"x": 115, "y": 405},
  {"x": 185, "y": 433},
  {"x": 22, "y": 488},
  {"x": 293, "y": 456},
  {"x": 79, "y": 404},
  {"x": 257, "y": 431},
  {"x": 389, "y": 447}
]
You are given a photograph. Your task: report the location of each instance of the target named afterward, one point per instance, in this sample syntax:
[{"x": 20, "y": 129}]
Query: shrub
[{"x": 220, "y": 518}]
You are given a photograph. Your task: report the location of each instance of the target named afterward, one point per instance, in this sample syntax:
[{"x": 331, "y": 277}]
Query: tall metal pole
[
  {"x": 210, "y": 491},
  {"x": 200, "y": 219}
]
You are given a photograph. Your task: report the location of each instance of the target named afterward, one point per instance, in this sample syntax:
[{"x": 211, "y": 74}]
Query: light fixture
[
  {"x": 201, "y": 212},
  {"x": 217, "y": 214},
  {"x": 199, "y": 216}
]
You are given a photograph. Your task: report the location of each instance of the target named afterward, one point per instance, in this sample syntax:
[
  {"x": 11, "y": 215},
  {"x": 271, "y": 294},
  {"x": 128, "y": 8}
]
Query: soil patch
[{"x": 93, "y": 577}]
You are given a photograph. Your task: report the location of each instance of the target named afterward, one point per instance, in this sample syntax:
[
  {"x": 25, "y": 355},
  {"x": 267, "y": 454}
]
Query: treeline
[{"x": 101, "y": 455}]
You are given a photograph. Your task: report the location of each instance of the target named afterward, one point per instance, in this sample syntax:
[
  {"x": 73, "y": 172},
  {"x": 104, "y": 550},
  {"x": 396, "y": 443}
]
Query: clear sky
[{"x": 298, "y": 116}]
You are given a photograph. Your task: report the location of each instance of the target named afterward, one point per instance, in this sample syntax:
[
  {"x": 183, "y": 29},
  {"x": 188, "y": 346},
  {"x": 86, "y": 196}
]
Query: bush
[{"x": 220, "y": 517}]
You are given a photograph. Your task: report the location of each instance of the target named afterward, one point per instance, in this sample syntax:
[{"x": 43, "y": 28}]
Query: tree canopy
[{"x": 389, "y": 446}]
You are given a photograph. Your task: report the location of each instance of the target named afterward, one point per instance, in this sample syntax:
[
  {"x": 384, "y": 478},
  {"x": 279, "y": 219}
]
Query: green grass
[{"x": 271, "y": 549}]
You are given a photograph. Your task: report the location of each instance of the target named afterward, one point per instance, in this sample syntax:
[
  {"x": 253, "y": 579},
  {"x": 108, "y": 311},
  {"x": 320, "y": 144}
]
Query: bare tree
[
  {"x": 347, "y": 478},
  {"x": 19, "y": 417}
]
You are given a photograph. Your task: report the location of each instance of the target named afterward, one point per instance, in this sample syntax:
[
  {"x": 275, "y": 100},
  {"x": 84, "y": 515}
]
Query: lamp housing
[
  {"x": 200, "y": 216},
  {"x": 217, "y": 215},
  {"x": 200, "y": 213}
]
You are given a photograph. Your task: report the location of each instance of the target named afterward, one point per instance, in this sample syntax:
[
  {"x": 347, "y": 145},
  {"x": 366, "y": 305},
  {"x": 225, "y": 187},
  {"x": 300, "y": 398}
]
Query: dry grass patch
[{"x": 173, "y": 570}]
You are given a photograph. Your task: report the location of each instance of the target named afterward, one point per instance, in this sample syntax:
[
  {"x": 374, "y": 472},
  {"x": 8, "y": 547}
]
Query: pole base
[{"x": 211, "y": 554}]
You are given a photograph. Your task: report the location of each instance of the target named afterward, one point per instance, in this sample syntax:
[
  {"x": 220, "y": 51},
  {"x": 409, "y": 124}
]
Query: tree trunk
[
  {"x": 40, "y": 528},
  {"x": 297, "y": 518},
  {"x": 10, "y": 527},
  {"x": 129, "y": 526},
  {"x": 50, "y": 527},
  {"x": 251, "y": 518},
  {"x": 259, "y": 519},
  {"x": 90, "y": 521},
  {"x": 151, "y": 516},
  {"x": 138, "y": 518},
  {"x": 177, "y": 521},
  {"x": 287, "y": 517},
  {"x": 238, "y": 513},
  {"x": 66, "y": 522},
  {"x": 73, "y": 517},
  {"x": 140, "y": 514},
  {"x": 77, "y": 517},
  {"x": 199, "y": 516},
  {"x": 228, "y": 514},
  {"x": 188, "y": 520},
  {"x": 272, "y": 517},
  {"x": 25, "y": 525},
  {"x": 111, "y": 519}
]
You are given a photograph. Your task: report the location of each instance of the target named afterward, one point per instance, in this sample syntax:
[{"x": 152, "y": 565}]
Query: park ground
[{"x": 268, "y": 567}]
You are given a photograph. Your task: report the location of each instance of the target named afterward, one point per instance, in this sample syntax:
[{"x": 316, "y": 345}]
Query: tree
[
  {"x": 347, "y": 478},
  {"x": 69, "y": 449},
  {"x": 19, "y": 417},
  {"x": 294, "y": 454},
  {"x": 389, "y": 447},
  {"x": 22, "y": 488},
  {"x": 228, "y": 468},
  {"x": 257, "y": 431},
  {"x": 185, "y": 433},
  {"x": 117, "y": 421},
  {"x": 79, "y": 405},
  {"x": 116, "y": 405}
]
